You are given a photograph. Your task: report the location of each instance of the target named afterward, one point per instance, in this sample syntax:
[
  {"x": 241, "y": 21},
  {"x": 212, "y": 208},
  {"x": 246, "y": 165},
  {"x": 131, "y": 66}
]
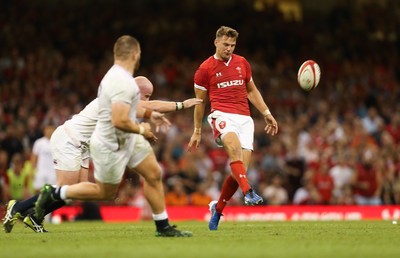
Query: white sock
[
  {"x": 163, "y": 215},
  {"x": 63, "y": 192}
]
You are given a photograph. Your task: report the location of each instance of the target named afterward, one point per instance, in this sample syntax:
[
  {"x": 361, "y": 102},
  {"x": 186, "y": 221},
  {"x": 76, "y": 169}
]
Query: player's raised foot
[
  {"x": 171, "y": 231},
  {"x": 44, "y": 200},
  {"x": 251, "y": 198},
  {"x": 33, "y": 224},
  {"x": 215, "y": 216},
  {"x": 11, "y": 216}
]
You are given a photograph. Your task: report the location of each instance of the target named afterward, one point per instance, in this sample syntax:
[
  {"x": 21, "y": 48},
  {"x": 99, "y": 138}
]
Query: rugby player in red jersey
[{"x": 226, "y": 79}]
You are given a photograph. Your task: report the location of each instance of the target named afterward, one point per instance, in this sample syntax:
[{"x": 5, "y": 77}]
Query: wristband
[
  {"x": 141, "y": 129},
  {"x": 266, "y": 112},
  {"x": 178, "y": 106},
  {"x": 147, "y": 114}
]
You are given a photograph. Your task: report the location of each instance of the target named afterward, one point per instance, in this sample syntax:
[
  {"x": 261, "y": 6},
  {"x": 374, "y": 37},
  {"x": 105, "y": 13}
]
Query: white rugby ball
[{"x": 309, "y": 75}]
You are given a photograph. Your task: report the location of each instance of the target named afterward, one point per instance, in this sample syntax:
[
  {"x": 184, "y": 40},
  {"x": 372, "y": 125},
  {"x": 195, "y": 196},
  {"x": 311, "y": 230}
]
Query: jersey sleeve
[
  {"x": 201, "y": 80},
  {"x": 248, "y": 70}
]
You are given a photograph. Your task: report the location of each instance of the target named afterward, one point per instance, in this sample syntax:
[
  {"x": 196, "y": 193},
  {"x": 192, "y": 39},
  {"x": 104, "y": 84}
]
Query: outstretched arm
[
  {"x": 156, "y": 118},
  {"x": 257, "y": 100},
  {"x": 198, "y": 118},
  {"x": 169, "y": 106}
]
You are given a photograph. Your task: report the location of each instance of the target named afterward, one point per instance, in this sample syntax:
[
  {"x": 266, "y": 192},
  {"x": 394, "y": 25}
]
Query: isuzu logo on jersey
[{"x": 230, "y": 83}]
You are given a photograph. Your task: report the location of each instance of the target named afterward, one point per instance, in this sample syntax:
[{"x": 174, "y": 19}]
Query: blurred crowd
[{"x": 338, "y": 145}]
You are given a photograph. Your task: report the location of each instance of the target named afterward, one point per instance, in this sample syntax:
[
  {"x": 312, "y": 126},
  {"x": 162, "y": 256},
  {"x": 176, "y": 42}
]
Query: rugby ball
[{"x": 309, "y": 75}]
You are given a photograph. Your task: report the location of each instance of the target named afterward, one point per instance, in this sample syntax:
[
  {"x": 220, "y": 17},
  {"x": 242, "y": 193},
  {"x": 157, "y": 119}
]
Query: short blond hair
[
  {"x": 125, "y": 46},
  {"x": 227, "y": 31}
]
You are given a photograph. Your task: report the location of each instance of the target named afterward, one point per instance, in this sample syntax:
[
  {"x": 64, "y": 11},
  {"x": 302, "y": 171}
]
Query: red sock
[
  {"x": 239, "y": 173},
  {"x": 229, "y": 188}
]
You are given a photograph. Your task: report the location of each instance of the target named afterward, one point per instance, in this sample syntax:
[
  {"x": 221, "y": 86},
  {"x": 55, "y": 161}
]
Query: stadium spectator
[
  {"x": 42, "y": 160},
  {"x": 346, "y": 197},
  {"x": 272, "y": 161},
  {"x": 17, "y": 179},
  {"x": 274, "y": 193},
  {"x": 12, "y": 142},
  {"x": 367, "y": 180},
  {"x": 393, "y": 127},
  {"x": 3, "y": 173},
  {"x": 295, "y": 168},
  {"x": 372, "y": 122},
  {"x": 307, "y": 194},
  {"x": 200, "y": 197},
  {"x": 323, "y": 183},
  {"x": 177, "y": 195},
  {"x": 342, "y": 174}
]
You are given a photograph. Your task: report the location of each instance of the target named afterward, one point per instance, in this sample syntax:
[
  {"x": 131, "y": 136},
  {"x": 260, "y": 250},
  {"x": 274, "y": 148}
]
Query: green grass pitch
[{"x": 377, "y": 239}]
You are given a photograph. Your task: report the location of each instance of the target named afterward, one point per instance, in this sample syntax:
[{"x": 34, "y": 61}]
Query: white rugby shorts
[
  {"x": 141, "y": 150},
  {"x": 109, "y": 165},
  {"x": 243, "y": 126},
  {"x": 68, "y": 155}
]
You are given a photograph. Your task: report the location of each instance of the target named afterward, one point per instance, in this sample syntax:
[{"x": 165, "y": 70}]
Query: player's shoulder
[
  {"x": 208, "y": 62},
  {"x": 238, "y": 58},
  {"x": 117, "y": 79}
]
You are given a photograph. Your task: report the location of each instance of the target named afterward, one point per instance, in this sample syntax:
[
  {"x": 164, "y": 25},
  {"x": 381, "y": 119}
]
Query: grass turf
[{"x": 233, "y": 239}]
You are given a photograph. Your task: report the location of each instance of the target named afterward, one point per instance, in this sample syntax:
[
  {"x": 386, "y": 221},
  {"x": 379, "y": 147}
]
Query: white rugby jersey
[
  {"x": 118, "y": 85},
  {"x": 81, "y": 126},
  {"x": 41, "y": 148}
]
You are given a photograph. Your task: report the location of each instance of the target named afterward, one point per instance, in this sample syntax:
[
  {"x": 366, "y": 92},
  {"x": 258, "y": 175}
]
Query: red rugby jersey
[{"x": 225, "y": 83}]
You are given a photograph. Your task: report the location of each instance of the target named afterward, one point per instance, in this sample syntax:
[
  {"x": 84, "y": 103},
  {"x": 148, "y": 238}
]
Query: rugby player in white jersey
[
  {"x": 71, "y": 158},
  {"x": 41, "y": 160},
  {"x": 113, "y": 140},
  {"x": 70, "y": 150}
]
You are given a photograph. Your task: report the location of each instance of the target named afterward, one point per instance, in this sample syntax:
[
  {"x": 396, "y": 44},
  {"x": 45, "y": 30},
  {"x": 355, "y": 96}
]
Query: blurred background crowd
[{"x": 337, "y": 145}]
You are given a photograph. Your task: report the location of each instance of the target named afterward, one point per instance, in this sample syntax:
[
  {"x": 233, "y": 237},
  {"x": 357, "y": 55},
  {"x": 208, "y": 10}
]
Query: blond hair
[
  {"x": 226, "y": 31},
  {"x": 125, "y": 46}
]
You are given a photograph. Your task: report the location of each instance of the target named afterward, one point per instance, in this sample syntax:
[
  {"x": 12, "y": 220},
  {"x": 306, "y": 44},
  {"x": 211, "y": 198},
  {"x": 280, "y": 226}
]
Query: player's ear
[
  {"x": 136, "y": 56},
  {"x": 215, "y": 42}
]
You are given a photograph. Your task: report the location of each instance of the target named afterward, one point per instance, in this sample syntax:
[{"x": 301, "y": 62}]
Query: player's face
[
  {"x": 145, "y": 96},
  {"x": 224, "y": 47}
]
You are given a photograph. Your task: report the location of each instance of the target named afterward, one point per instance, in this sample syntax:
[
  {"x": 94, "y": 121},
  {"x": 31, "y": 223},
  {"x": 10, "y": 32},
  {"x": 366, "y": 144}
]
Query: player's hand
[
  {"x": 192, "y": 102},
  {"x": 194, "y": 141},
  {"x": 160, "y": 121},
  {"x": 272, "y": 126},
  {"x": 148, "y": 134}
]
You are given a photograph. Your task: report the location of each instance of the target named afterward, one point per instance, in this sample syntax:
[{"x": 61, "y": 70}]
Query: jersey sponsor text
[{"x": 230, "y": 83}]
